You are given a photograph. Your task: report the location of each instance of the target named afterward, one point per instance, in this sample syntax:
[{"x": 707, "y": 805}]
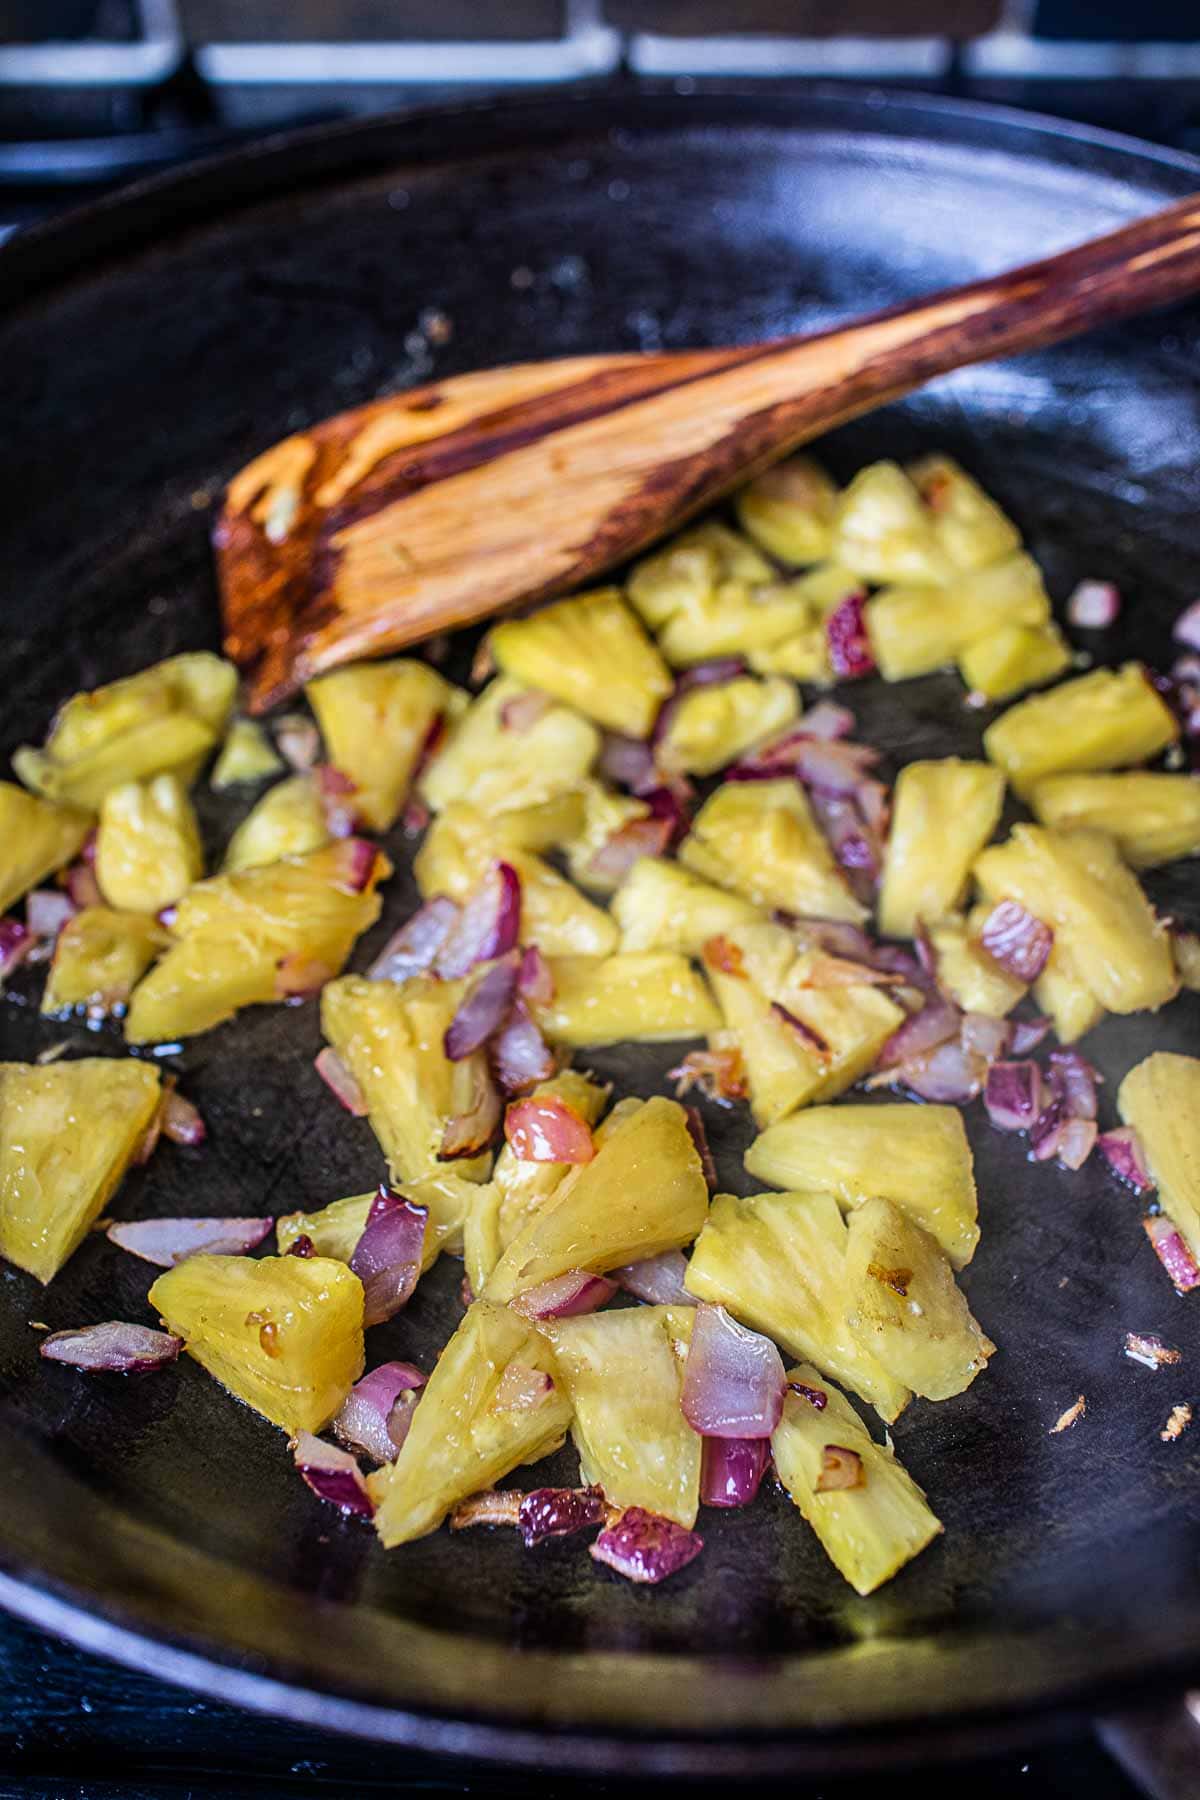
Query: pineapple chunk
[
  {"x": 166, "y": 718},
  {"x": 1154, "y": 818},
  {"x": 789, "y": 510},
  {"x": 282, "y": 1333},
  {"x": 261, "y": 935},
  {"x": 334, "y": 1230},
  {"x": 663, "y": 906},
  {"x": 918, "y": 1157},
  {"x": 1160, "y": 1098},
  {"x": 642, "y": 1193},
  {"x": 914, "y": 629},
  {"x": 780, "y": 1073},
  {"x": 868, "y": 1532},
  {"x": 760, "y": 839},
  {"x": 969, "y": 526},
  {"x": 711, "y": 726},
  {"x": 966, "y": 973},
  {"x": 376, "y": 719},
  {"x": 905, "y": 1306},
  {"x": 646, "y": 997},
  {"x": 68, "y": 1132},
  {"x": 1015, "y": 657},
  {"x": 604, "y": 812},
  {"x": 389, "y": 1035},
  {"x": 99, "y": 958},
  {"x": 36, "y": 837},
  {"x": 943, "y": 813},
  {"x": 592, "y": 653},
  {"x": 458, "y": 849},
  {"x": 1105, "y": 720},
  {"x": 498, "y": 767},
  {"x": 686, "y": 573},
  {"x": 882, "y": 530},
  {"x": 246, "y": 755},
  {"x": 148, "y": 845},
  {"x": 1061, "y": 992},
  {"x": 467, "y": 1433},
  {"x": 552, "y": 824},
  {"x": 289, "y": 820},
  {"x": 623, "y": 1372},
  {"x": 778, "y": 1263}
]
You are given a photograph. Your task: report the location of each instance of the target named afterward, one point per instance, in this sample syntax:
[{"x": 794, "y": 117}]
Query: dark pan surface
[{"x": 154, "y": 345}]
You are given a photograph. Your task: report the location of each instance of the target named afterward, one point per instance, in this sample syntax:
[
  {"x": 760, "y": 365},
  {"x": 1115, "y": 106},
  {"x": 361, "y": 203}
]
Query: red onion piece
[
  {"x": 166, "y": 1242},
  {"x": 1122, "y": 1151},
  {"x": 658, "y": 1280},
  {"x": 1014, "y": 1095},
  {"x": 714, "y": 673},
  {"x": 850, "y": 652},
  {"x": 387, "y": 1257},
  {"x": 1075, "y": 1142},
  {"x": 668, "y": 806},
  {"x": 627, "y": 845},
  {"x": 332, "y": 1474},
  {"x": 545, "y": 1129},
  {"x": 522, "y": 1386},
  {"x": 16, "y": 942},
  {"x": 1171, "y": 1252},
  {"x": 488, "y": 925},
  {"x": 817, "y": 1398},
  {"x": 854, "y": 848},
  {"x": 1186, "y": 629},
  {"x": 949, "y": 1074},
  {"x": 483, "y": 1009},
  {"x": 520, "y": 1054},
  {"x": 82, "y": 886},
  {"x": 364, "y": 1422},
  {"x": 699, "y": 1137},
  {"x": 556, "y": 1512},
  {"x": 731, "y": 1470},
  {"x": 302, "y": 1246},
  {"x": 985, "y": 1036},
  {"x": 47, "y": 910},
  {"x": 720, "y": 1074},
  {"x": 832, "y": 764},
  {"x": 646, "y": 1548},
  {"x": 299, "y": 741},
  {"x": 1072, "y": 1076},
  {"x": 414, "y": 818},
  {"x": 182, "y": 1122},
  {"x": 334, "y": 790},
  {"x": 827, "y": 720},
  {"x": 535, "y": 977},
  {"x": 114, "y": 1348},
  {"x": 1027, "y": 1034},
  {"x": 356, "y": 864},
  {"x": 1045, "y": 1134},
  {"x": 565, "y": 1296},
  {"x": 523, "y": 711},
  {"x": 340, "y": 1081},
  {"x": 733, "y": 1381},
  {"x": 1017, "y": 940},
  {"x": 413, "y": 949},
  {"x": 626, "y": 762},
  {"x": 471, "y": 1132},
  {"x": 1093, "y": 605},
  {"x": 937, "y": 1022}
]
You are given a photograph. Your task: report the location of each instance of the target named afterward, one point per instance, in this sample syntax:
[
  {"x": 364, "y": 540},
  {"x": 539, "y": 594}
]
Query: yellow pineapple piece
[
  {"x": 1153, "y": 818},
  {"x": 803, "y": 653},
  {"x": 779, "y": 1072},
  {"x": 1062, "y": 993},
  {"x": 642, "y": 1193},
  {"x": 623, "y": 1373},
  {"x": 148, "y": 845},
  {"x": 968, "y": 525},
  {"x": 334, "y": 1230},
  {"x": 662, "y": 906},
  {"x": 883, "y": 531},
  {"x": 686, "y": 573},
  {"x": 641, "y": 997},
  {"x": 789, "y": 510},
  {"x": 99, "y": 958},
  {"x": 778, "y": 1263},
  {"x": 760, "y": 839},
  {"x": 472, "y": 1425},
  {"x": 246, "y": 755},
  {"x": 1015, "y": 657},
  {"x": 905, "y": 1306},
  {"x": 497, "y": 766},
  {"x": 68, "y": 1132},
  {"x": 915, "y": 629},
  {"x": 389, "y": 1035},
  {"x": 592, "y": 653},
  {"x": 1105, "y": 720},
  {"x": 713, "y": 725},
  {"x": 943, "y": 813},
  {"x": 36, "y": 838},
  {"x": 282, "y": 1333},
  {"x": 553, "y": 824},
  {"x": 1187, "y": 959},
  {"x": 605, "y": 812},
  {"x": 918, "y": 1157},
  {"x": 376, "y": 718},
  {"x": 289, "y": 820},
  {"x": 1160, "y": 1098},
  {"x": 257, "y": 936},
  {"x": 965, "y": 971},
  {"x": 868, "y": 1531}
]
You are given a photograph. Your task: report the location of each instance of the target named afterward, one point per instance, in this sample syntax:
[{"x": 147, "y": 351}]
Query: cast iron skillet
[{"x": 154, "y": 343}]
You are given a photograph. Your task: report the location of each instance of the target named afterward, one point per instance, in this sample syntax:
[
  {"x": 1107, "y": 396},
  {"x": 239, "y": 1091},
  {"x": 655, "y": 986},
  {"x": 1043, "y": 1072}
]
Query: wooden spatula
[{"x": 451, "y": 502}]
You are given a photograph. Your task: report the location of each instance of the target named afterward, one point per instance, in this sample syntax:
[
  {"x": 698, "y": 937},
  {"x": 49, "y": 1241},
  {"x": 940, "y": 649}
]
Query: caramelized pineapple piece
[
  {"x": 246, "y": 755},
  {"x": 591, "y": 652},
  {"x": 167, "y": 718},
  {"x": 376, "y": 719},
  {"x": 966, "y": 973},
  {"x": 686, "y": 573},
  {"x": 968, "y": 525},
  {"x": 642, "y": 1193},
  {"x": 623, "y": 1372},
  {"x": 604, "y": 813},
  {"x": 663, "y": 906},
  {"x": 482, "y": 1413},
  {"x": 334, "y": 1230},
  {"x": 282, "y": 1333},
  {"x": 389, "y": 1035},
  {"x": 1153, "y": 818},
  {"x": 497, "y": 762},
  {"x": 1016, "y": 657},
  {"x": 1160, "y": 1098},
  {"x": 883, "y": 531},
  {"x": 261, "y": 935},
  {"x": 643, "y": 997},
  {"x": 760, "y": 839},
  {"x": 711, "y": 726},
  {"x": 1105, "y": 720},
  {"x": 918, "y": 1157},
  {"x": 68, "y": 1132},
  {"x": 99, "y": 958},
  {"x": 36, "y": 838},
  {"x": 943, "y": 813},
  {"x": 870, "y": 1530},
  {"x": 789, "y": 510},
  {"x": 905, "y": 1306},
  {"x": 916, "y": 629},
  {"x": 148, "y": 845},
  {"x": 778, "y": 1263},
  {"x": 289, "y": 820}
]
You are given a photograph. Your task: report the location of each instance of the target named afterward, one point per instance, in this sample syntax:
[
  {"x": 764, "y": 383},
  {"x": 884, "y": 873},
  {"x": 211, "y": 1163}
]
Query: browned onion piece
[
  {"x": 114, "y": 1347},
  {"x": 471, "y": 1132},
  {"x": 720, "y": 1074},
  {"x": 699, "y": 1137},
  {"x": 627, "y": 845}
]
